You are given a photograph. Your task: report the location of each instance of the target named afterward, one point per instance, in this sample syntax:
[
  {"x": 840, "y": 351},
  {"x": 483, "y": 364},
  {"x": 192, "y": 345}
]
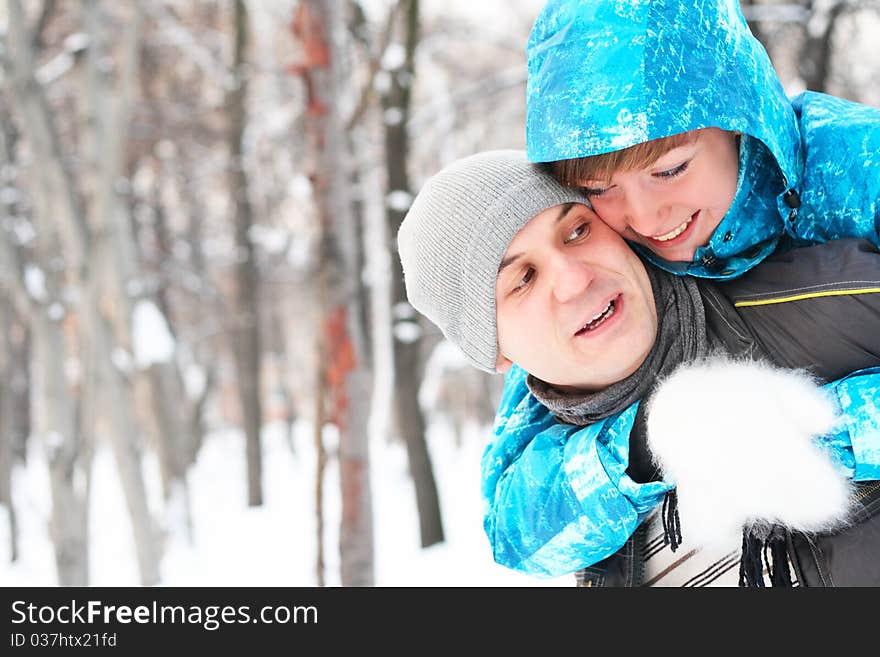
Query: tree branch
[
  {"x": 46, "y": 14},
  {"x": 374, "y": 65}
]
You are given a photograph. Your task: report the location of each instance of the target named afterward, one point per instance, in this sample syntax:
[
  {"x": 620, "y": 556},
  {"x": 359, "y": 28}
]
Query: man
[{"x": 514, "y": 267}]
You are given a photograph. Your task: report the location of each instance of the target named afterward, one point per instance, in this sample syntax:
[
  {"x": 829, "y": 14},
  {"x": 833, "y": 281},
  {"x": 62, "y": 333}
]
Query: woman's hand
[{"x": 737, "y": 439}]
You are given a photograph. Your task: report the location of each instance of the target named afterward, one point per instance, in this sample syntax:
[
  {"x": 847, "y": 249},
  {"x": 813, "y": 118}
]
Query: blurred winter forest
[{"x": 198, "y": 200}]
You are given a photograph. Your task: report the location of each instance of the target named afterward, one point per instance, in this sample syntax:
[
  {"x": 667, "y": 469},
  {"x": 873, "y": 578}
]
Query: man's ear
[{"x": 502, "y": 364}]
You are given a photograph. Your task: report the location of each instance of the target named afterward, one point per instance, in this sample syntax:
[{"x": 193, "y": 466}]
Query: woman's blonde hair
[{"x": 576, "y": 171}]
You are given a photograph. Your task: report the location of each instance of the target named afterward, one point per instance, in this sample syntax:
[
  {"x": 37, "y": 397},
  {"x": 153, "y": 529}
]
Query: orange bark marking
[
  {"x": 315, "y": 54},
  {"x": 340, "y": 361}
]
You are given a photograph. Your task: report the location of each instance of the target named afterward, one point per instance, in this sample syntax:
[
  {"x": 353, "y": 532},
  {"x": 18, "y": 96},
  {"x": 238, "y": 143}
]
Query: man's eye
[
  {"x": 674, "y": 171},
  {"x": 581, "y": 230},
  {"x": 525, "y": 280}
]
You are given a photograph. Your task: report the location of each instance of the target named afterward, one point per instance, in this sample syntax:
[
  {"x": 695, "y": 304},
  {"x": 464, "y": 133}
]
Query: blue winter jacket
[{"x": 607, "y": 75}]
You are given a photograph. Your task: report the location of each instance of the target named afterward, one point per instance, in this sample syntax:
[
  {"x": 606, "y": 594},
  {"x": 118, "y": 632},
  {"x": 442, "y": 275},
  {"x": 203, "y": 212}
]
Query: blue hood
[{"x": 608, "y": 74}]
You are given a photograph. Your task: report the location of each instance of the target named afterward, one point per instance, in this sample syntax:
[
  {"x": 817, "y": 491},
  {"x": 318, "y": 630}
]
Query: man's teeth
[
  {"x": 599, "y": 319},
  {"x": 675, "y": 232}
]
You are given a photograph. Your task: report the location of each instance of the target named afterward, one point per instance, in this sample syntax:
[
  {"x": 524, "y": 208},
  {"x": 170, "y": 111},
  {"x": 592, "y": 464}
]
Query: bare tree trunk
[
  {"x": 319, "y": 26},
  {"x": 246, "y": 312},
  {"x": 14, "y": 379},
  {"x": 171, "y": 426},
  {"x": 814, "y": 63},
  {"x": 7, "y": 417},
  {"x": 57, "y": 420},
  {"x": 173, "y": 446},
  {"x": 321, "y": 461},
  {"x": 69, "y": 461},
  {"x": 116, "y": 394},
  {"x": 407, "y": 351},
  {"x": 172, "y": 434},
  {"x": 108, "y": 115},
  {"x": 17, "y": 382},
  {"x": 818, "y": 22},
  {"x": 19, "y": 388},
  {"x": 201, "y": 353},
  {"x": 282, "y": 392},
  {"x": 88, "y": 262}
]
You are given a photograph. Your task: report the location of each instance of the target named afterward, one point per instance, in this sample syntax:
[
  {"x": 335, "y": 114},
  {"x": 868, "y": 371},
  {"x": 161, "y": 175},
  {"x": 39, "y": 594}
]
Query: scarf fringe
[
  {"x": 759, "y": 550},
  {"x": 671, "y": 521},
  {"x": 770, "y": 551}
]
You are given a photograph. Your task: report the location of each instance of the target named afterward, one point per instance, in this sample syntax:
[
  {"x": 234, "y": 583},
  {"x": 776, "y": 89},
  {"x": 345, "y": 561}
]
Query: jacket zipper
[{"x": 866, "y": 490}]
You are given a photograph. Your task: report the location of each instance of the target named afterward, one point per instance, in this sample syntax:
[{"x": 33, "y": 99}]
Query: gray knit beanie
[{"x": 455, "y": 235}]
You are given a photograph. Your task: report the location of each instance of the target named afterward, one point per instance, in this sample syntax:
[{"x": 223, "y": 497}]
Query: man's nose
[{"x": 571, "y": 277}]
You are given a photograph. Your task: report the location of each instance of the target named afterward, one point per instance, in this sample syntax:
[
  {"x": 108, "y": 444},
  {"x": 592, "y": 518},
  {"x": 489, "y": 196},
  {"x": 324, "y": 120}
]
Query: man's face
[
  {"x": 674, "y": 205},
  {"x": 574, "y": 303}
]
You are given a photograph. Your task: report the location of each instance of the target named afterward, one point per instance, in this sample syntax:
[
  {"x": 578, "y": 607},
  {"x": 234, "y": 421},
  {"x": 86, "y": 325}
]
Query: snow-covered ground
[{"x": 274, "y": 545}]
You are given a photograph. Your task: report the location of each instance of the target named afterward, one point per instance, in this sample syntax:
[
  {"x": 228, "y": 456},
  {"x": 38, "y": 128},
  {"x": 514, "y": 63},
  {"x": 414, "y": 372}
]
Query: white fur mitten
[{"x": 737, "y": 439}]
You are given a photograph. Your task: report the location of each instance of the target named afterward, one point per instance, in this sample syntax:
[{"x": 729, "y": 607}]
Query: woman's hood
[{"x": 608, "y": 74}]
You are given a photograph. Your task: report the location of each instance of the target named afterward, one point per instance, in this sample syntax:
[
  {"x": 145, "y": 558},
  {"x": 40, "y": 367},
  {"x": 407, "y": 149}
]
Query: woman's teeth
[
  {"x": 599, "y": 319},
  {"x": 675, "y": 232}
]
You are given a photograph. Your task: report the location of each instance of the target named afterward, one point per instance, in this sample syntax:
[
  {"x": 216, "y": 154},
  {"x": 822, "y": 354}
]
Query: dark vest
[{"x": 816, "y": 308}]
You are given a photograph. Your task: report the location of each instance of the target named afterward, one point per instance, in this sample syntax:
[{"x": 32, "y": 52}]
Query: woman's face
[{"x": 674, "y": 205}]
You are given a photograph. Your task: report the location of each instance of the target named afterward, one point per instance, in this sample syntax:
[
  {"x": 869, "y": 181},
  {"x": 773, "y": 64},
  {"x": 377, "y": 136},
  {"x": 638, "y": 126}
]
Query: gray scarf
[{"x": 681, "y": 336}]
